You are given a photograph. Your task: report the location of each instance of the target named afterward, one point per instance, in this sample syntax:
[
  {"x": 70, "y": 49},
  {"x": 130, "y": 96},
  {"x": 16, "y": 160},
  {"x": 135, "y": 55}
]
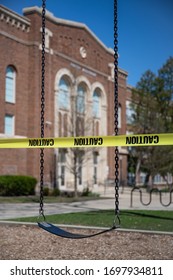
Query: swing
[{"x": 48, "y": 226}]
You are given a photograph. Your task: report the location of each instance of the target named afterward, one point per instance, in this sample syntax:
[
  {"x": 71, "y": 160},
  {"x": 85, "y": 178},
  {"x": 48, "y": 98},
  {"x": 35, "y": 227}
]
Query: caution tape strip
[{"x": 89, "y": 141}]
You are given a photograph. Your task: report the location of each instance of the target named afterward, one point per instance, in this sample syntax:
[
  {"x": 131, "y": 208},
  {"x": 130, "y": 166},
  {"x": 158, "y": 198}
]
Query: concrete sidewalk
[{"x": 16, "y": 210}]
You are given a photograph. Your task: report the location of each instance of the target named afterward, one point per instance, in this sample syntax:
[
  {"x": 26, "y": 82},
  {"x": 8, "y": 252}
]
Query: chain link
[
  {"x": 41, "y": 211},
  {"x": 116, "y": 105}
]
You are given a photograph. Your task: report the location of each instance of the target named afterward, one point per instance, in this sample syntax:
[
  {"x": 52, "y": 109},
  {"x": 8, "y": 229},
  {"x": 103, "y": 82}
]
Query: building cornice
[{"x": 14, "y": 19}]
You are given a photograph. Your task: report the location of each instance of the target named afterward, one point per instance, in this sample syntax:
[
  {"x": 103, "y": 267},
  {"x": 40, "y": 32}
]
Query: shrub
[
  {"x": 86, "y": 192},
  {"x": 12, "y": 185},
  {"x": 45, "y": 191},
  {"x": 55, "y": 192}
]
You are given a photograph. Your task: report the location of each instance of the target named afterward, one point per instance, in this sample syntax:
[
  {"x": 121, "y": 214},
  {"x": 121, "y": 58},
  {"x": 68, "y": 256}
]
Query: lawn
[
  {"x": 47, "y": 199},
  {"x": 132, "y": 219}
]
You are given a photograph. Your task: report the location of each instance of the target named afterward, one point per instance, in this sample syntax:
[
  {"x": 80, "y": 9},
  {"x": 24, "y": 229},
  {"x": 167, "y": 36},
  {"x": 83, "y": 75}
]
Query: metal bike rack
[
  {"x": 170, "y": 198},
  {"x": 150, "y": 197}
]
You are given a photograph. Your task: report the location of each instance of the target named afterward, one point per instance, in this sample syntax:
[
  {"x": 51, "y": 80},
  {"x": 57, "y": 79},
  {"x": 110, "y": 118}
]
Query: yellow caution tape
[{"x": 89, "y": 141}]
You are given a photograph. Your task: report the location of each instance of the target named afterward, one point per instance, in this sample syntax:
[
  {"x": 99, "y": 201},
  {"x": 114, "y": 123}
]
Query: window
[
  {"x": 119, "y": 116},
  {"x": 63, "y": 124},
  {"x": 96, "y": 128},
  {"x": 129, "y": 112},
  {"x": 9, "y": 125},
  {"x": 158, "y": 179},
  {"x": 142, "y": 177},
  {"x": 80, "y": 100},
  {"x": 80, "y": 126},
  {"x": 10, "y": 84},
  {"x": 96, "y": 104},
  {"x": 64, "y": 94}
]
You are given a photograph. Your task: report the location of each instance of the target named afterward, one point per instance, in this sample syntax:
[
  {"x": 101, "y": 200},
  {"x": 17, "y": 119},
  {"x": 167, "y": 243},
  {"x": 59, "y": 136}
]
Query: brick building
[{"x": 79, "y": 100}]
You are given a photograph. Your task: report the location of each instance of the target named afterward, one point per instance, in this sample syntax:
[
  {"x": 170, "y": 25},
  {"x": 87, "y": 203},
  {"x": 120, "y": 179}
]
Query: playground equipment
[{"x": 45, "y": 225}]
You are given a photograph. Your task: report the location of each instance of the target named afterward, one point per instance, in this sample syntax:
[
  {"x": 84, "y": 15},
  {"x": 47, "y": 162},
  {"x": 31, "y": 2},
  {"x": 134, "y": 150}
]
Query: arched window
[
  {"x": 10, "y": 85},
  {"x": 96, "y": 104},
  {"x": 80, "y": 100},
  {"x": 64, "y": 94}
]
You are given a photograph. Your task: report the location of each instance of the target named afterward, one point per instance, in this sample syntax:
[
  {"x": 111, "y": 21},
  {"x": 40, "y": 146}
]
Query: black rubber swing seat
[{"x": 63, "y": 233}]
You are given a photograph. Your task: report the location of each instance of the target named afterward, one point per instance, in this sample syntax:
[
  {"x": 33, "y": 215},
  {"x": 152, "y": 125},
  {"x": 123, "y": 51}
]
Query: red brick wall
[{"x": 22, "y": 51}]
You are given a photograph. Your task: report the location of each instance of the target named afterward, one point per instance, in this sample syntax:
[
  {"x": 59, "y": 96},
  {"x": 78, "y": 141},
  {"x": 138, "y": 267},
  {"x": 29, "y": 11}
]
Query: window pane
[
  {"x": 62, "y": 175},
  {"x": 80, "y": 126},
  {"x": 64, "y": 95},
  {"x": 80, "y": 100},
  {"x": 9, "y": 125},
  {"x": 96, "y": 104},
  {"x": 62, "y": 156},
  {"x": 129, "y": 113},
  {"x": 119, "y": 116},
  {"x": 10, "y": 85},
  {"x": 95, "y": 175}
]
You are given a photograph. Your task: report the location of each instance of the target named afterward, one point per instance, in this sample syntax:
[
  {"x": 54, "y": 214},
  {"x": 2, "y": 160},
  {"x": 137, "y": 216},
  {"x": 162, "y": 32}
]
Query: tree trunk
[
  {"x": 75, "y": 175},
  {"x": 137, "y": 172},
  {"x": 147, "y": 181}
]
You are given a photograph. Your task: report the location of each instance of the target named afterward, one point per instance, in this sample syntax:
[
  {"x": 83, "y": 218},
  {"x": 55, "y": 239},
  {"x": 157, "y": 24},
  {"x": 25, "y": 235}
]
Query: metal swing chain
[
  {"x": 41, "y": 210},
  {"x": 116, "y": 105}
]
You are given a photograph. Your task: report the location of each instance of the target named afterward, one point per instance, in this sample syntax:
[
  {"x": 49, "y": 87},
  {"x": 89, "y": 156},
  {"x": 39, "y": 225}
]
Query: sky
[{"x": 145, "y": 28}]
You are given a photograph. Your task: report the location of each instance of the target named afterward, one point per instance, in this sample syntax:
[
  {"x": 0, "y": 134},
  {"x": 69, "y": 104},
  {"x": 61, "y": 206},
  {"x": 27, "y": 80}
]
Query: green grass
[
  {"x": 47, "y": 199},
  {"x": 133, "y": 219},
  {"x": 19, "y": 199}
]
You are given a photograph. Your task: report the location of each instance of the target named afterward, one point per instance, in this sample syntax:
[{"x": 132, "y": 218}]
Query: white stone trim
[
  {"x": 103, "y": 92},
  {"x": 14, "y": 19}
]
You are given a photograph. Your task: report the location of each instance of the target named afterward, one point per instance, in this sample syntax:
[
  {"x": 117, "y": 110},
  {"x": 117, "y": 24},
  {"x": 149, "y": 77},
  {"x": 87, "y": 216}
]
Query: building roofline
[
  {"x": 124, "y": 72},
  {"x": 14, "y": 15},
  {"x": 56, "y": 20}
]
